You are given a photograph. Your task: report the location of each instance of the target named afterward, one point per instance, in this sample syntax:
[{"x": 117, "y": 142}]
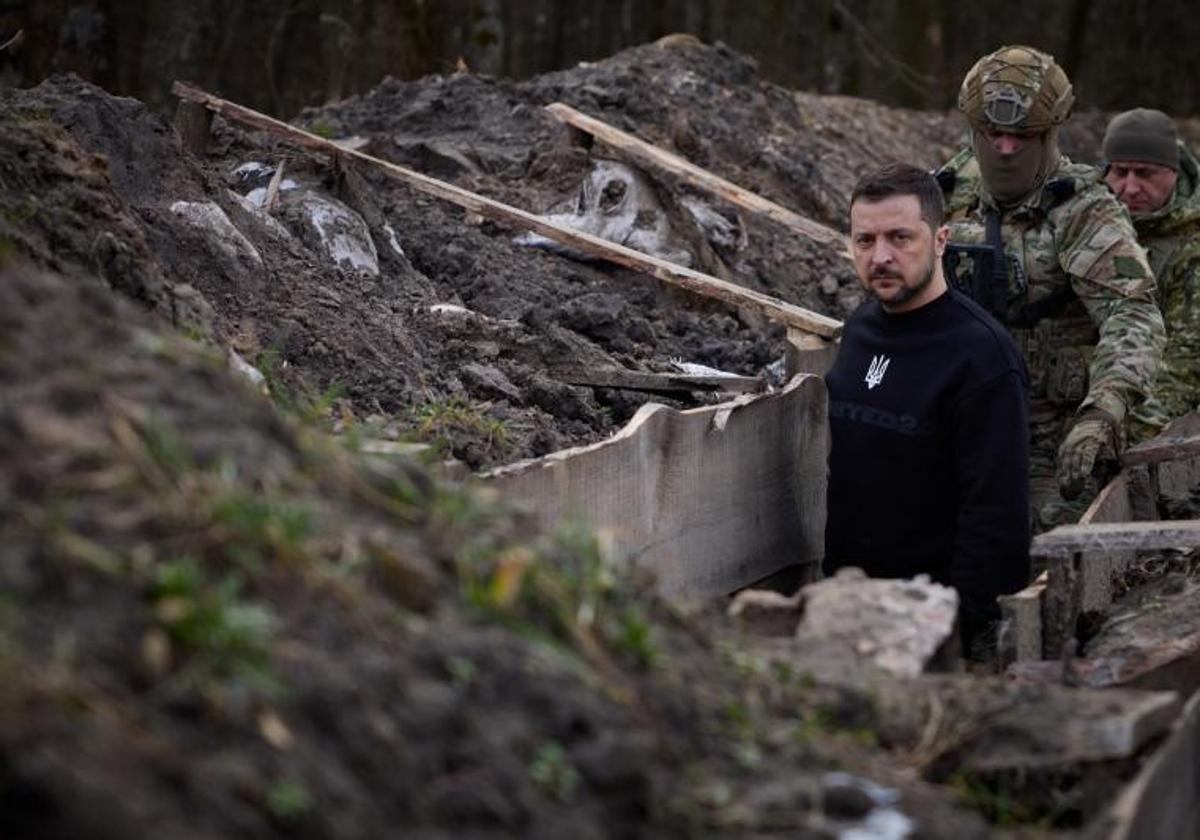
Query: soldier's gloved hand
[{"x": 1094, "y": 441}]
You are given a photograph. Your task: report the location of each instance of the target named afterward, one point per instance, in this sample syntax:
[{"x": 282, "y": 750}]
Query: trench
[
  {"x": 711, "y": 499},
  {"x": 718, "y": 498}
]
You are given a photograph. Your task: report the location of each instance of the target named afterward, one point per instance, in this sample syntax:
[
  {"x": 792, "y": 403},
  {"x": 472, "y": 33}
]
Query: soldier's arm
[
  {"x": 1111, "y": 277},
  {"x": 1178, "y": 385}
]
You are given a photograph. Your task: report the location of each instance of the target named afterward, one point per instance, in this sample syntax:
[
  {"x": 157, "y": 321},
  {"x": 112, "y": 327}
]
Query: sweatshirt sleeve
[{"x": 991, "y": 465}]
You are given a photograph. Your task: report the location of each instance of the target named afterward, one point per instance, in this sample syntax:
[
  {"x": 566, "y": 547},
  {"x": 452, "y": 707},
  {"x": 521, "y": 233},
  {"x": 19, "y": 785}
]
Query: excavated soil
[
  {"x": 218, "y": 624},
  {"x": 216, "y": 621},
  {"x": 490, "y": 384}
]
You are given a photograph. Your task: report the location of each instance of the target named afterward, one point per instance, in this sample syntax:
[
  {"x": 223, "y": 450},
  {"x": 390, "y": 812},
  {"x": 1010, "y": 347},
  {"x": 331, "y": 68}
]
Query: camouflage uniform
[
  {"x": 1171, "y": 237},
  {"x": 1098, "y": 339}
]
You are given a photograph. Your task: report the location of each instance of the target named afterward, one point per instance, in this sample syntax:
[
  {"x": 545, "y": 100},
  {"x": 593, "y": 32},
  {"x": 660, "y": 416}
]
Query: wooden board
[
  {"x": 652, "y": 156},
  {"x": 1118, "y": 536},
  {"x": 808, "y": 353},
  {"x": 640, "y": 380},
  {"x": 1163, "y": 802},
  {"x": 1180, "y": 439},
  {"x": 1096, "y": 568},
  {"x": 1021, "y": 612},
  {"x": 710, "y": 499},
  {"x": 685, "y": 278}
]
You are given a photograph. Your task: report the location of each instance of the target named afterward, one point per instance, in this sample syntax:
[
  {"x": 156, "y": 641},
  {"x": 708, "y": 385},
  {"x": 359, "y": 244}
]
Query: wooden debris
[
  {"x": 1180, "y": 439},
  {"x": 638, "y": 380},
  {"x": 273, "y": 188},
  {"x": 1021, "y": 628},
  {"x": 1117, "y": 536},
  {"x": 808, "y": 353},
  {"x": 693, "y": 281},
  {"x": 1160, "y": 804},
  {"x": 14, "y": 41},
  {"x": 650, "y": 155}
]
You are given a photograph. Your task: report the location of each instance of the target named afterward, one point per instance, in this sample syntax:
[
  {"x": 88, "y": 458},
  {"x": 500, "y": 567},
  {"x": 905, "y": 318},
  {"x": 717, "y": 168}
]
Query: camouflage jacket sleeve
[
  {"x": 1178, "y": 385},
  {"x": 1110, "y": 275}
]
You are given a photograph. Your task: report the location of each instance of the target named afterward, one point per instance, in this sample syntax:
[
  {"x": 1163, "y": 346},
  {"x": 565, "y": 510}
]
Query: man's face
[
  {"x": 1142, "y": 187},
  {"x": 895, "y": 252}
]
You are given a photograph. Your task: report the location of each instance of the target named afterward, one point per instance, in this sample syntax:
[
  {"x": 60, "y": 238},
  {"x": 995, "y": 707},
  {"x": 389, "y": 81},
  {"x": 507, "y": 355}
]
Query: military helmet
[{"x": 1016, "y": 89}]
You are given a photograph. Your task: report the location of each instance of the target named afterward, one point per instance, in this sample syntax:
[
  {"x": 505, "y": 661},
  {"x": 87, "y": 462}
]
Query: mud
[
  {"x": 217, "y": 621},
  {"x": 391, "y": 347}
]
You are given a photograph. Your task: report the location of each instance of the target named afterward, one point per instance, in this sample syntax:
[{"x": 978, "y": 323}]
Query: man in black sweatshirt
[{"x": 928, "y": 415}]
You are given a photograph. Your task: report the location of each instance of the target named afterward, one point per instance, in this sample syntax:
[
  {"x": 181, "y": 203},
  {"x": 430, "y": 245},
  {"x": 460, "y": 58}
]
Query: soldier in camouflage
[
  {"x": 1157, "y": 178},
  {"x": 1074, "y": 288}
]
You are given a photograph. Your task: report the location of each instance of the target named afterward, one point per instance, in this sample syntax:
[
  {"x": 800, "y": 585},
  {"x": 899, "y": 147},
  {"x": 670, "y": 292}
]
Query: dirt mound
[
  {"x": 218, "y": 624},
  {"x": 216, "y": 621},
  {"x": 366, "y": 310}
]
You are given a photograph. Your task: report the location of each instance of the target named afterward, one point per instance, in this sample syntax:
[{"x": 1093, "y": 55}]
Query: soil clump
[{"x": 416, "y": 320}]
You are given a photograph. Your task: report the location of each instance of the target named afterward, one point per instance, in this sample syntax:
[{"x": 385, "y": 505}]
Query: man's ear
[{"x": 940, "y": 237}]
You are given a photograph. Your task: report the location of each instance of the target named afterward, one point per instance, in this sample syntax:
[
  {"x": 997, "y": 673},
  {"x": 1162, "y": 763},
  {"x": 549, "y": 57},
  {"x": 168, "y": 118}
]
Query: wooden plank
[
  {"x": 641, "y": 380},
  {"x": 1163, "y": 801},
  {"x": 1096, "y": 568},
  {"x": 1180, "y": 439},
  {"x": 692, "y": 281},
  {"x": 808, "y": 353},
  {"x": 1117, "y": 536},
  {"x": 709, "y": 500},
  {"x": 651, "y": 155},
  {"x": 14, "y": 41},
  {"x": 1021, "y": 624}
]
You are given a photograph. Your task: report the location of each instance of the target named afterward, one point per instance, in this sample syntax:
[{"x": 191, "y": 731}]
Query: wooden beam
[
  {"x": 693, "y": 281},
  {"x": 638, "y": 380},
  {"x": 1180, "y": 439},
  {"x": 1117, "y": 536},
  {"x": 650, "y": 155}
]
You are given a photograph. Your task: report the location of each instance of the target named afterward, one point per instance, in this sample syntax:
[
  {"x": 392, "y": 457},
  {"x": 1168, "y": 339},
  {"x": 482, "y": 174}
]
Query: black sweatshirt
[{"x": 929, "y": 463}]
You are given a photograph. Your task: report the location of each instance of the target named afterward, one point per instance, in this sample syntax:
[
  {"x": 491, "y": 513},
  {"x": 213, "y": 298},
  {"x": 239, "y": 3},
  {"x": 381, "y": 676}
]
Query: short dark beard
[{"x": 906, "y": 292}]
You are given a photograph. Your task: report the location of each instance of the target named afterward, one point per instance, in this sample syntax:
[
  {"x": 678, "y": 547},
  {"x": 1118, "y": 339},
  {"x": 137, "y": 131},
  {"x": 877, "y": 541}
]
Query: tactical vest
[{"x": 1037, "y": 303}]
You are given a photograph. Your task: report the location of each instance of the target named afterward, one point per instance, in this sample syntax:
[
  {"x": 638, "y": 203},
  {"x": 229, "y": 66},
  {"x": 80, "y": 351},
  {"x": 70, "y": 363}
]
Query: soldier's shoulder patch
[{"x": 1130, "y": 267}]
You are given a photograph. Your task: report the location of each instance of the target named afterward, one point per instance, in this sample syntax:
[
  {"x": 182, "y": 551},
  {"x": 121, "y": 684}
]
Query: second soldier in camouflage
[
  {"x": 1158, "y": 179},
  {"x": 1077, "y": 292}
]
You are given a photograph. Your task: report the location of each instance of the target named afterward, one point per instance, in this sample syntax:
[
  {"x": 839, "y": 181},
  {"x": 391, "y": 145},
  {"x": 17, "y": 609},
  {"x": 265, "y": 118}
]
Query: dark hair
[{"x": 903, "y": 179}]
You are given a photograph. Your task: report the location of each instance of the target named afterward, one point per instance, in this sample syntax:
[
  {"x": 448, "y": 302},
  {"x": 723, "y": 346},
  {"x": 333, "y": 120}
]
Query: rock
[
  {"x": 1152, "y": 643},
  {"x": 261, "y": 217},
  {"x": 489, "y": 382},
  {"x": 222, "y": 234},
  {"x": 898, "y": 626},
  {"x": 258, "y": 195},
  {"x": 338, "y": 232}
]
